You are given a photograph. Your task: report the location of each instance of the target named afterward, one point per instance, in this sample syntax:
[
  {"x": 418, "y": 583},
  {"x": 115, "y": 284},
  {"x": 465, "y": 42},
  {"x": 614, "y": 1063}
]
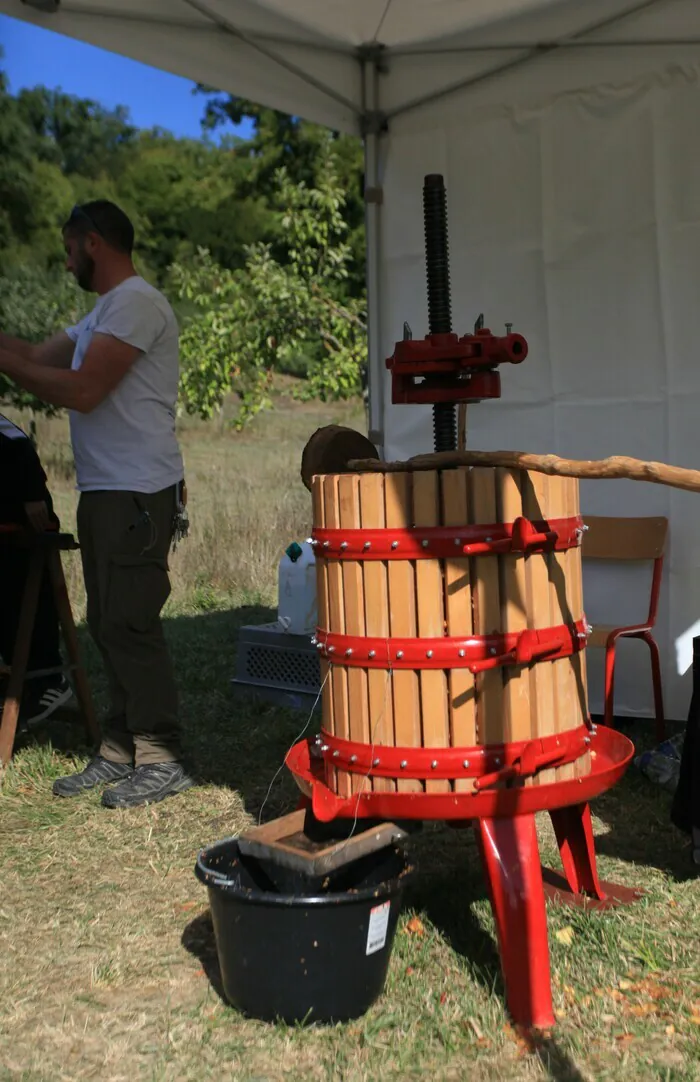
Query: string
[{"x": 294, "y": 741}]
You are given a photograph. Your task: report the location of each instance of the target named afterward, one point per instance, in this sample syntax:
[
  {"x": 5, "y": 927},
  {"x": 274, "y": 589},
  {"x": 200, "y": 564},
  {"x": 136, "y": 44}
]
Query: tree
[
  {"x": 301, "y": 149},
  {"x": 187, "y": 194},
  {"x": 249, "y": 322},
  {"x": 77, "y": 134},
  {"x": 34, "y": 304}
]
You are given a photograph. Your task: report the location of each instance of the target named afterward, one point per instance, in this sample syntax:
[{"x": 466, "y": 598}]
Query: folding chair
[
  {"x": 629, "y": 539},
  {"x": 46, "y": 551}
]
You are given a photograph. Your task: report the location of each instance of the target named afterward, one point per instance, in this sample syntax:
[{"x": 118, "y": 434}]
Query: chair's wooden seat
[
  {"x": 600, "y": 633},
  {"x": 19, "y": 535}
]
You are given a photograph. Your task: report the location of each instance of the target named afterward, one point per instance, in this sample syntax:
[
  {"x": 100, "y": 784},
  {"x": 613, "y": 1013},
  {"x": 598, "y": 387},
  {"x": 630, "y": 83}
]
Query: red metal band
[
  {"x": 611, "y": 753},
  {"x": 489, "y": 765},
  {"x": 476, "y": 653},
  {"x": 445, "y": 542}
]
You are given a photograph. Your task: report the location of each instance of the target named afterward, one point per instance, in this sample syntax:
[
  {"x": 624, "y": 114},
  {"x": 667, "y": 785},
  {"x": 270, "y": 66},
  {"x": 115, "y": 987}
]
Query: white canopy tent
[{"x": 568, "y": 133}]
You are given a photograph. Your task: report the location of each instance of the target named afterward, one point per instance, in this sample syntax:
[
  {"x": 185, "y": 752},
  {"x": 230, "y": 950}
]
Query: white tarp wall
[
  {"x": 573, "y": 181},
  {"x": 575, "y": 215}
]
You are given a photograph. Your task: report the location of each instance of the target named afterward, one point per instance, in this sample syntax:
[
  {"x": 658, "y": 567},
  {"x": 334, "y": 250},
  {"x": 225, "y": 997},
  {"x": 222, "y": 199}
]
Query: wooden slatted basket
[{"x": 456, "y": 597}]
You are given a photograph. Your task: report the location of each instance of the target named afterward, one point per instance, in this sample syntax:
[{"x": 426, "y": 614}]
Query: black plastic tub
[{"x": 298, "y": 957}]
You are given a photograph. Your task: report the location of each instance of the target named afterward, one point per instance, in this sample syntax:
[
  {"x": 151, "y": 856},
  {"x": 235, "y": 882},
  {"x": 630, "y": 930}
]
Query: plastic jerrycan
[{"x": 297, "y": 589}]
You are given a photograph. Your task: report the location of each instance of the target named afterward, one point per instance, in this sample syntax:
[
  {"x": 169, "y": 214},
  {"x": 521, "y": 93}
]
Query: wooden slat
[
  {"x": 458, "y": 603},
  {"x": 543, "y": 703},
  {"x": 376, "y": 592},
  {"x": 354, "y": 601},
  {"x": 435, "y": 722},
  {"x": 599, "y": 636},
  {"x": 402, "y": 623},
  {"x": 624, "y": 538},
  {"x": 323, "y": 619},
  {"x": 339, "y": 676},
  {"x": 561, "y": 613},
  {"x": 513, "y": 590},
  {"x": 487, "y": 610}
]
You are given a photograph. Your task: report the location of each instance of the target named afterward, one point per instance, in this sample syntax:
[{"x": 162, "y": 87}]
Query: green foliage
[
  {"x": 34, "y": 304},
  {"x": 300, "y": 148},
  {"x": 247, "y": 323},
  {"x": 259, "y": 242}
]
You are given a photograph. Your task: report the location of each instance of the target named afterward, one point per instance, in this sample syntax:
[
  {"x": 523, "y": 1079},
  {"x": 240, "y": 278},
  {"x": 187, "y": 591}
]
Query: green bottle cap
[{"x": 294, "y": 551}]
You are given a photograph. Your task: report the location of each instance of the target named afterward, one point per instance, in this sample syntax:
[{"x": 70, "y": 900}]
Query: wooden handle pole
[{"x": 616, "y": 467}]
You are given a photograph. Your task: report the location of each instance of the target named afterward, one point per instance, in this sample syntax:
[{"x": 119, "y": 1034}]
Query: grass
[{"x": 107, "y": 959}]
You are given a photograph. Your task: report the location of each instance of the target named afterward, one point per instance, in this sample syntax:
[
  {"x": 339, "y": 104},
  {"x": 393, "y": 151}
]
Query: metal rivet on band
[
  {"x": 404, "y": 764},
  {"x": 465, "y": 764},
  {"x": 375, "y": 762},
  {"x": 424, "y": 544},
  {"x": 394, "y": 544},
  {"x": 353, "y": 758},
  {"x": 429, "y": 653},
  {"x": 462, "y": 653},
  {"x": 399, "y": 653},
  {"x": 348, "y": 651},
  {"x": 433, "y": 765},
  {"x": 326, "y": 544},
  {"x": 367, "y": 545},
  {"x": 343, "y": 544},
  {"x": 372, "y": 653},
  {"x": 458, "y": 540},
  {"x": 336, "y": 754}
]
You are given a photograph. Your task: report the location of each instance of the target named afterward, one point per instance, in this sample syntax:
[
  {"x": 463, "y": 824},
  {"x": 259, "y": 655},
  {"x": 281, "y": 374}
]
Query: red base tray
[{"x": 611, "y": 753}]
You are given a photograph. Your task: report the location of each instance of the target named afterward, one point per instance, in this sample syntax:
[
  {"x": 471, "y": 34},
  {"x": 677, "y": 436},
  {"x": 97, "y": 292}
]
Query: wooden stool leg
[
  {"x": 20, "y": 656},
  {"x": 65, "y": 615}
]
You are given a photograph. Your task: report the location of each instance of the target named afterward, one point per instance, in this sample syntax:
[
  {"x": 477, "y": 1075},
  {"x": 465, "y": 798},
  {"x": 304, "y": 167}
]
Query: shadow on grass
[
  {"x": 198, "y": 939},
  {"x": 637, "y": 814},
  {"x": 229, "y": 740}
]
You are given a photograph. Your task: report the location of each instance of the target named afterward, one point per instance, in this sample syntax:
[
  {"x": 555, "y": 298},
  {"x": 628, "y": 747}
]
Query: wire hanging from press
[{"x": 296, "y": 740}]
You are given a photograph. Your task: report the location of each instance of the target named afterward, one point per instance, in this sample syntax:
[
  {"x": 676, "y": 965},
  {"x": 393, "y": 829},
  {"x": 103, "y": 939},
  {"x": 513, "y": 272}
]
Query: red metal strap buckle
[
  {"x": 449, "y": 542},
  {"x": 477, "y": 653}
]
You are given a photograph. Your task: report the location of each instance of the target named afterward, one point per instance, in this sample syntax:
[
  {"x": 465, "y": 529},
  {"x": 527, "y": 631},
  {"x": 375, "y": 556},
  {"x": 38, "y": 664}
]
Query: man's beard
[{"x": 85, "y": 272}]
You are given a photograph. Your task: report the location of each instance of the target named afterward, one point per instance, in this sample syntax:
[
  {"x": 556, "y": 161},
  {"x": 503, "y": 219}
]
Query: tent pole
[{"x": 373, "y": 203}]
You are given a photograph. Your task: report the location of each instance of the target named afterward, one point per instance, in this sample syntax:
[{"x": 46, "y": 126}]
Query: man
[
  {"x": 116, "y": 372},
  {"x": 26, "y": 501}
]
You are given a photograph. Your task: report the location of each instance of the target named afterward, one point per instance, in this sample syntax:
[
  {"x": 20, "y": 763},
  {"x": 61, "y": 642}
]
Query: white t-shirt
[{"x": 128, "y": 442}]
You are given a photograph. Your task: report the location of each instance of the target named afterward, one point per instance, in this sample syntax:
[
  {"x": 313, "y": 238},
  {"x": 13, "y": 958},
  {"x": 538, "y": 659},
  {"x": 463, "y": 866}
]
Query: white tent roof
[{"x": 302, "y": 55}]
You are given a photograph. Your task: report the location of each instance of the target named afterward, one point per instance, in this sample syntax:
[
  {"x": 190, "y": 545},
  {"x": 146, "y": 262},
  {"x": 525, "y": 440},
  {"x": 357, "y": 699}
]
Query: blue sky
[{"x": 34, "y": 56}]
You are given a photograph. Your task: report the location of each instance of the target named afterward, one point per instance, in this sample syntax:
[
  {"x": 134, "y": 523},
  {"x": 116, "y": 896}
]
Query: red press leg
[
  {"x": 511, "y": 862},
  {"x": 574, "y": 831}
]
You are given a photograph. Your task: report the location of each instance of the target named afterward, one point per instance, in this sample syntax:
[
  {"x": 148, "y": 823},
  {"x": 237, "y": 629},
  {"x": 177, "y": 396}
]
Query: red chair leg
[
  {"x": 513, "y": 873},
  {"x": 658, "y": 689},
  {"x": 574, "y": 831},
  {"x": 609, "y": 718}
]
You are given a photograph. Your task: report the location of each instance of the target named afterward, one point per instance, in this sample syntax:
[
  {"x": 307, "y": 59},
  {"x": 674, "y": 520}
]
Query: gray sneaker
[
  {"x": 147, "y": 785},
  {"x": 38, "y": 704},
  {"x": 97, "y": 772}
]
